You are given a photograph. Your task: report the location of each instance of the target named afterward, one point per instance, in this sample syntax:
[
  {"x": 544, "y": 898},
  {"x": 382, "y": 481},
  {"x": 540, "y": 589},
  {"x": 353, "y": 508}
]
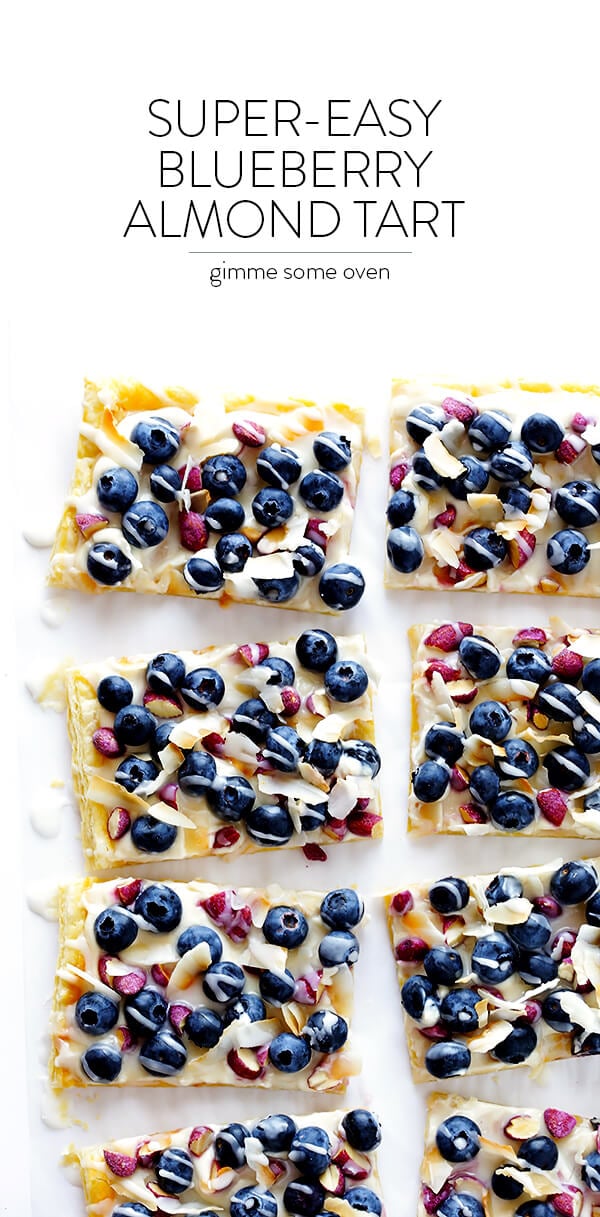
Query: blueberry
[
  {"x": 532, "y": 933},
  {"x": 308, "y": 560},
  {"x": 223, "y": 981},
  {"x": 316, "y": 650},
  {"x": 269, "y": 825},
  {"x": 449, "y": 895},
  {"x": 458, "y": 1010},
  {"x": 483, "y": 548},
  {"x": 275, "y": 1133},
  {"x": 231, "y": 798},
  {"x": 279, "y": 466},
  {"x": 161, "y": 735},
  {"x": 133, "y": 1208},
  {"x": 252, "y": 1201},
  {"x": 165, "y": 483},
  {"x": 590, "y": 677},
  {"x": 332, "y": 450},
  {"x": 341, "y": 586},
  {"x": 479, "y": 656},
  {"x": 115, "y": 930},
  {"x": 590, "y": 1171},
  {"x": 197, "y": 774},
  {"x": 568, "y": 551},
  {"x": 252, "y": 718},
  {"x": 133, "y": 726},
  {"x": 553, "y": 1013},
  {"x": 586, "y": 735},
  {"x": 363, "y": 1200},
  {"x": 248, "y": 1006},
  {"x": 494, "y": 958},
  {"x": 96, "y": 1014},
  {"x": 365, "y": 753},
  {"x": 315, "y": 816},
  {"x": 540, "y": 1152},
  {"x": 542, "y": 433},
  {"x": 567, "y": 768},
  {"x": 203, "y": 575},
  {"x": 160, "y": 906},
  {"x": 203, "y": 689},
  {"x": 362, "y": 1130},
  {"x": 272, "y": 507},
  {"x": 326, "y": 1030},
  {"x": 225, "y": 515},
  {"x": 574, "y": 882},
  {"x": 107, "y": 564},
  {"x": 484, "y": 785},
  {"x": 473, "y": 481},
  {"x": 491, "y": 720},
  {"x": 517, "y": 1046},
  {"x": 145, "y": 1012},
  {"x": 232, "y": 552},
  {"x": 401, "y": 508},
  {"x": 559, "y": 701},
  {"x": 512, "y": 811},
  {"x": 346, "y": 680},
  {"x": 342, "y": 909},
  {"x": 278, "y": 591},
  {"x": 283, "y": 748},
  {"x": 592, "y": 910},
  {"x": 430, "y": 781},
  {"x": 157, "y": 437},
  {"x": 194, "y": 935},
  {"x": 323, "y": 756},
  {"x": 516, "y": 501},
  {"x": 447, "y": 1059},
  {"x": 445, "y": 740},
  {"x": 592, "y": 801},
  {"x": 289, "y": 1053},
  {"x": 503, "y": 888},
  {"x": 321, "y": 491},
  {"x": 165, "y": 672},
  {"x": 457, "y": 1139},
  {"x": 536, "y": 1208},
  {"x": 578, "y": 503},
  {"x": 145, "y": 524},
  {"x": 163, "y": 1055},
  {"x": 304, "y": 1197},
  {"x": 420, "y": 1000},
  {"x": 116, "y": 489},
  {"x": 101, "y": 1063},
  {"x": 285, "y": 926},
  {"x": 337, "y": 948},
  {"x": 460, "y": 1204},
  {"x": 423, "y": 421},
  {"x": 277, "y": 988},
  {"x": 528, "y": 663},
  {"x": 229, "y": 1146},
  {"x": 490, "y": 431},
  {"x": 537, "y": 968},
  {"x": 504, "y": 1186},
  {"x": 204, "y": 1027},
  {"x": 511, "y": 463},
  {"x": 114, "y": 693},
  {"x": 443, "y": 966},
  {"x": 152, "y": 836},
  {"x": 174, "y": 1170},
  {"x": 311, "y": 1151},
  {"x": 424, "y": 474},
  {"x": 405, "y": 550},
  {"x": 520, "y": 760},
  {"x": 223, "y": 476}
]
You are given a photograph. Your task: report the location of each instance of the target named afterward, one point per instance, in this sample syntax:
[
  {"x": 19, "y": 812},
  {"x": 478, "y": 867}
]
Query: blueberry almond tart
[
  {"x": 494, "y": 487},
  {"x": 189, "y": 984},
  {"x": 227, "y": 750},
  {"x": 505, "y": 730},
  {"x": 499, "y": 970},
  {"x": 222, "y": 498}
]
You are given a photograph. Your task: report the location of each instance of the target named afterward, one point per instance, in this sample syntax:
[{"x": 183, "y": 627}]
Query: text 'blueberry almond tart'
[
  {"x": 222, "y": 498},
  {"x": 226, "y": 750},
  {"x": 499, "y": 970},
  {"x": 494, "y": 487},
  {"x": 189, "y": 984},
  {"x": 505, "y": 730}
]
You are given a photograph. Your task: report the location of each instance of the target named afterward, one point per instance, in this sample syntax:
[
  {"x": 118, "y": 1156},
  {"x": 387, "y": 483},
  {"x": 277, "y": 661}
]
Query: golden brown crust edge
[{"x": 71, "y": 922}]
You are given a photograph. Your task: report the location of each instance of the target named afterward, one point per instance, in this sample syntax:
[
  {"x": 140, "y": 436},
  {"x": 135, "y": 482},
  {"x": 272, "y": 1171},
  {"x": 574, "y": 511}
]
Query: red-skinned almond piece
[
  {"x": 120, "y": 1164},
  {"x": 252, "y": 653},
  {"x": 402, "y": 902},
  {"x": 531, "y": 636},
  {"x": 193, "y": 481},
  {"x": 193, "y": 532},
  {"x": 128, "y": 891},
  {"x": 314, "y": 852},
  {"x": 521, "y": 548},
  {"x": 333, "y": 1180},
  {"x": 462, "y": 410},
  {"x": 569, "y": 1202},
  {"x": 213, "y": 743},
  {"x": 446, "y": 671},
  {"x": 102, "y": 972},
  {"x": 162, "y": 706},
  {"x": 88, "y": 524},
  {"x": 432, "y": 1200},
  {"x": 533, "y": 1011},
  {"x": 314, "y": 532},
  {"x": 307, "y": 988},
  {"x": 438, "y": 1032},
  {"x": 291, "y": 702},
  {"x": 571, "y": 447},
  {"x": 148, "y": 1149},
  {"x": 249, "y": 433},
  {"x": 226, "y": 837},
  {"x": 567, "y": 664},
  {"x": 462, "y": 692},
  {"x": 559, "y": 1123},
  {"x": 106, "y": 743},
  {"x": 411, "y": 950},
  {"x": 161, "y": 973},
  {"x": 562, "y": 944},
  {"x": 200, "y": 1138},
  {"x": 520, "y": 1127},
  {"x": 365, "y": 824},
  {"x": 472, "y": 814},
  {"x": 579, "y": 423},
  {"x": 244, "y": 1063},
  {"x": 398, "y": 473},
  {"x": 168, "y": 794},
  {"x": 447, "y": 637},
  {"x": 336, "y": 829},
  {"x": 547, "y": 905},
  {"x": 448, "y": 576},
  {"x": 458, "y": 779},
  {"x": 353, "y": 1164},
  {"x": 178, "y": 1013},
  {"x": 131, "y": 983},
  {"x": 446, "y": 518},
  {"x": 553, "y": 805},
  {"x": 235, "y": 922},
  {"x": 125, "y": 1038},
  {"x": 312, "y": 707},
  {"x": 118, "y": 823}
]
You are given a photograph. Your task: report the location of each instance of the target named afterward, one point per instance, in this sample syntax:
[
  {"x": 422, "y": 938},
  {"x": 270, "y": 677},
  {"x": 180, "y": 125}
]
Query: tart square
[
  {"x": 499, "y": 970},
  {"x": 228, "y": 750},
  {"x": 494, "y": 487},
  {"x": 218, "y": 498},
  {"x": 191, "y": 984}
]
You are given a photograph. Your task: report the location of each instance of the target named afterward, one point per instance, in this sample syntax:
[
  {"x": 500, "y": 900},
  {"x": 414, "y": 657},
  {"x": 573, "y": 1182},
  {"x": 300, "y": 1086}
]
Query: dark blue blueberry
[
  {"x": 420, "y": 1000},
  {"x": 253, "y": 1201},
  {"x": 592, "y": 910},
  {"x": 229, "y": 1146},
  {"x": 445, "y": 740},
  {"x": 114, "y": 692},
  {"x": 96, "y": 1014},
  {"x": 512, "y": 811},
  {"x": 528, "y": 663},
  {"x": 590, "y": 1171},
  {"x": 308, "y": 560},
  {"x": 304, "y": 1197},
  {"x": 401, "y": 508},
  {"x": 316, "y": 650},
  {"x": 326, "y": 1030},
  {"x": 586, "y": 735},
  {"x": 362, "y": 1130},
  {"x": 461, "y": 1204},
  {"x": 458, "y": 1010},
  {"x": 161, "y": 736},
  {"x": 536, "y": 1208},
  {"x": 145, "y": 524},
  {"x": 321, "y": 491},
  {"x": 520, "y": 760},
  {"x": 314, "y": 817},
  {"x": 341, "y": 586},
  {"x": 223, "y": 476},
  {"x": 484, "y": 785},
  {"x": 204, "y": 1027},
  {"x": 225, "y": 515},
  {"x": 278, "y": 591},
  {"x": 537, "y": 968},
  {"x": 145, "y": 1012},
  {"x": 310, "y": 1151},
  {"x": 248, "y": 1006},
  {"x": 232, "y": 552},
  {"x": 491, "y": 720},
  {"x": 504, "y": 1186},
  {"x": 332, "y": 450},
  {"x": 337, "y": 948},
  {"x": 285, "y": 926},
  {"x": 363, "y": 1200},
  {"x": 578, "y": 503},
  {"x": 424, "y": 474},
  {"x": 133, "y": 1208},
  {"x": 269, "y": 825},
  {"x": 275, "y": 1133},
  {"x": 503, "y": 888},
  {"x": 107, "y": 564},
  {"x": 365, "y": 753},
  {"x": 405, "y": 550},
  {"x": 443, "y": 966},
  {"x": 282, "y": 672},
  {"x": 517, "y": 1046},
  {"x": 152, "y": 836},
  {"x": 114, "y": 930},
  {"x": 574, "y": 882},
  {"x": 223, "y": 981},
  {"x": 423, "y": 421},
  {"x": 516, "y": 501},
  {"x": 197, "y": 774},
  {"x": 133, "y": 726},
  {"x": 165, "y": 483},
  {"x": 272, "y": 507},
  {"x": 494, "y": 958},
  {"x": 430, "y": 781},
  {"x": 512, "y": 463},
  {"x": 568, "y": 551},
  {"x": 531, "y": 934},
  {"x": 542, "y": 433},
  {"x": 101, "y": 1063},
  {"x": 595, "y": 450},
  {"x": 553, "y": 1013},
  {"x": 490, "y": 430},
  {"x": 346, "y": 680},
  {"x": 165, "y": 672},
  {"x": 590, "y": 677},
  {"x": 163, "y": 1055},
  {"x": 194, "y": 935},
  {"x": 231, "y": 797},
  {"x": 324, "y": 756},
  {"x": 160, "y": 906},
  {"x": 479, "y": 656},
  {"x": 457, "y": 1139},
  {"x": 449, "y": 895},
  {"x": 203, "y": 575},
  {"x": 447, "y": 1059},
  {"x": 592, "y": 801},
  {"x": 342, "y": 909},
  {"x": 567, "y": 768},
  {"x": 157, "y": 437},
  {"x": 483, "y": 548},
  {"x": 473, "y": 481},
  {"x": 203, "y": 689},
  {"x": 559, "y": 701},
  {"x": 116, "y": 489},
  {"x": 174, "y": 1170},
  {"x": 277, "y": 988},
  {"x": 252, "y": 718},
  {"x": 289, "y": 1053},
  {"x": 279, "y": 466}
]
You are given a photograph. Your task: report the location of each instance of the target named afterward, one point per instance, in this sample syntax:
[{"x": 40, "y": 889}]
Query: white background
[{"x": 514, "y": 295}]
